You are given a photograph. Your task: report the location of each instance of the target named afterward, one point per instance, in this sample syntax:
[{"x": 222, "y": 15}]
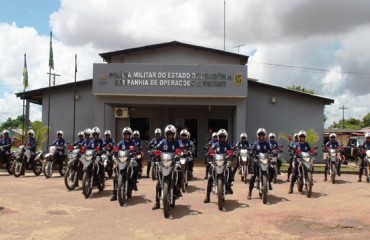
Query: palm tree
[{"x": 40, "y": 132}]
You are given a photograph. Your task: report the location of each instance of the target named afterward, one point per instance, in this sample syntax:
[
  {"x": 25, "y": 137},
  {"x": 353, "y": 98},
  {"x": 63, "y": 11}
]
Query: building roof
[
  {"x": 35, "y": 96},
  {"x": 344, "y": 131},
  {"x": 108, "y": 55},
  {"x": 327, "y": 101}
]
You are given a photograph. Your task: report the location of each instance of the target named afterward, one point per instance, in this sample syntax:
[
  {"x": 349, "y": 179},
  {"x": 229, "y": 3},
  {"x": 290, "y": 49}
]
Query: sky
[{"x": 319, "y": 45}]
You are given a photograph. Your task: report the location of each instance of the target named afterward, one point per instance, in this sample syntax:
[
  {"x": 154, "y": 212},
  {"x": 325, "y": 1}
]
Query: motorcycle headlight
[
  {"x": 166, "y": 163},
  {"x": 264, "y": 161},
  {"x": 138, "y": 156},
  {"x": 219, "y": 163},
  {"x": 123, "y": 159},
  {"x": 88, "y": 155}
]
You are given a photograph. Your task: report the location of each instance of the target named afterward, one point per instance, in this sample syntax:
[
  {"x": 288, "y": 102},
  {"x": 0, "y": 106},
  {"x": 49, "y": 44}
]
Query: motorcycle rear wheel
[
  {"x": 333, "y": 173},
  {"x": 86, "y": 185},
  {"x": 220, "y": 194},
  {"x": 264, "y": 189},
  {"x": 48, "y": 169},
  {"x": 37, "y": 167},
  {"x": 309, "y": 184},
  {"x": 166, "y": 202},
  {"x": 70, "y": 179},
  {"x": 17, "y": 168},
  {"x": 121, "y": 190}
]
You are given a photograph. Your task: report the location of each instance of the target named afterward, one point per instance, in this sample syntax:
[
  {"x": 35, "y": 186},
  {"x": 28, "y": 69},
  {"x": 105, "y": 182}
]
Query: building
[{"x": 181, "y": 84}]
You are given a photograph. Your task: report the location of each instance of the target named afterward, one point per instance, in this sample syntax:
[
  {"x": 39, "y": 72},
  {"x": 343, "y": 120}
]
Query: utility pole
[
  {"x": 50, "y": 74},
  {"x": 343, "y": 108},
  {"x": 54, "y": 75}
]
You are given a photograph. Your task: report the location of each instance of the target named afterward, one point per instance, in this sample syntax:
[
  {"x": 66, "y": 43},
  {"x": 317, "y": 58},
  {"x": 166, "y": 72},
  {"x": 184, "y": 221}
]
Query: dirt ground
[{"x": 38, "y": 208}]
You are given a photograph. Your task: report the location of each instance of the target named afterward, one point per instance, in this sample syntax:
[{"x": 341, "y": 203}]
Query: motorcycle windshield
[{"x": 244, "y": 154}]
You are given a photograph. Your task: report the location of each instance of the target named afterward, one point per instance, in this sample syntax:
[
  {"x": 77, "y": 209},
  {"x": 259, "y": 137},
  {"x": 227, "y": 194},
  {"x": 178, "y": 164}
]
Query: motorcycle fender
[
  {"x": 220, "y": 170},
  {"x": 263, "y": 167},
  {"x": 122, "y": 166},
  {"x": 166, "y": 171},
  {"x": 87, "y": 165},
  {"x": 39, "y": 155},
  {"x": 307, "y": 165}
]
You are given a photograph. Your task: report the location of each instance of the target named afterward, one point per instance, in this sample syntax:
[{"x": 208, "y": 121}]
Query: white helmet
[
  {"x": 222, "y": 132},
  {"x": 136, "y": 132},
  {"x": 5, "y": 131},
  {"x": 158, "y": 131},
  {"x": 188, "y": 133},
  {"x": 107, "y": 132},
  {"x": 367, "y": 135},
  {"x": 261, "y": 130},
  {"x": 332, "y": 135},
  {"x": 183, "y": 132},
  {"x": 80, "y": 133},
  {"x": 88, "y": 131},
  {"x": 95, "y": 130},
  {"x": 31, "y": 132},
  {"x": 126, "y": 130},
  {"x": 272, "y": 135},
  {"x": 170, "y": 128},
  {"x": 243, "y": 135},
  {"x": 295, "y": 135},
  {"x": 60, "y": 132},
  {"x": 214, "y": 135},
  {"x": 302, "y": 132}
]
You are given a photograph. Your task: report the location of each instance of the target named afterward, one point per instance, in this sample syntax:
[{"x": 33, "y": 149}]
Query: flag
[
  {"x": 25, "y": 74},
  {"x": 51, "y": 58},
  {"x": 75, "y": 63}
]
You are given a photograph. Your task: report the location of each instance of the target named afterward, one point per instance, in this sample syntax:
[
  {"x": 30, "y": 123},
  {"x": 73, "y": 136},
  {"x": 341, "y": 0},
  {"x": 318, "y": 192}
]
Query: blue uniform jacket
[
  {"x": 304, "y": 147},
  {"x": 7, "y": 143},
  {"x": 242, "y": 145},
  {"x": 221, "y": 148},
  {"x": 168, "y": 146},
  {"x": 32, "y": 143},
  {"x": 263, "y": 147},
  {"x": 125, "y": 145}
]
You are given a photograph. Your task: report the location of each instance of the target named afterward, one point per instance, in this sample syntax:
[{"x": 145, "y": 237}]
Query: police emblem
[{"x": 238, "y": 80}]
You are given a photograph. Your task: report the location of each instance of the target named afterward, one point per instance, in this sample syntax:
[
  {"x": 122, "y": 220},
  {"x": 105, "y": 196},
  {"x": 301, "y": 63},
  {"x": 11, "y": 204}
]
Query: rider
[
  {"x": 291, "y": 156},
  {"x": 138, "y": 146},
  {"x": 242, "y": 144},
  {"x": 259, "y": 146},
  {"x": 87, "y": 137},
  {"x": 274, "y": 144},
  {"x": 95, "y": 142},
  {"x": 361, "y": 164},
  {"x": 80, "y": 140},
  {"x": 187, "y": 144},
  {"x": 108, "y": 139},
  {"x": 303, "y": 146},
  {"x": 31, "y": 144},
  {"x": 6, "y": 142},
  {"x": 332, "y": 144},
  {"x": 211, "y": 143},
  {"x": 221, "y": 147},
  {"x": 124, "y": 145},
  {"x": 169, "y": 145},
  {"x": 60, "y": 145},
  {"x": 152, "y": 144}
]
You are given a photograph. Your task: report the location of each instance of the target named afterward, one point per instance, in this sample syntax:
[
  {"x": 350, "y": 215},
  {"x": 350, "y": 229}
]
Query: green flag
[
  {"x": 25, "y": 74},
  {"x": 51, "y": 58}
]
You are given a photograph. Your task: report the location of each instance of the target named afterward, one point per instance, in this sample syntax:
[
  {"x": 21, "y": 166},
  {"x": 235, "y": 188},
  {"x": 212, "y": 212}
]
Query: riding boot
[
  {"x": 157, "y": 195},
  {"x": 249, "y": 197},
  {"x": 113, "y": 196},
  {"x": 326, "y": 176},
  {"x": 148, "y": 168},
  {"x": 207, "y": 199},
  {"x": 207, "y": 170},
  {"x": 359, "y": 178},
  {"x": 157, "y": 205},
  {"x": 291, "y": 187}
]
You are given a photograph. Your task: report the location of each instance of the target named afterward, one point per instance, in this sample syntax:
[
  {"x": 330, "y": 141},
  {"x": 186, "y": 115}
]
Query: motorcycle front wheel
[
  {"x": 86, "y": 184},
  {"x": 62, "y": 168},
  {"x": 309, "y": 184},
  {"x": 154, "y": 171},
  {"x": 166, "y": 197},
  {"x": 37, "y": 167},
  {"x": 333, "y": 173},
  {"x": 264, "y": 188},
  {"x": 220, "y": 198},
  {"x": 121, "y": 190},
  {"x": 48, "y": 169},
  {"x": 70, "y": 179},
  {"x": 17, "y": 168}
]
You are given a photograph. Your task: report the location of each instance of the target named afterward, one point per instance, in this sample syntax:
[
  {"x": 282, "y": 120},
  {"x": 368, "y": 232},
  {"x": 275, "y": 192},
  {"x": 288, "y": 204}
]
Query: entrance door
[{"x": 217, "y": 124}]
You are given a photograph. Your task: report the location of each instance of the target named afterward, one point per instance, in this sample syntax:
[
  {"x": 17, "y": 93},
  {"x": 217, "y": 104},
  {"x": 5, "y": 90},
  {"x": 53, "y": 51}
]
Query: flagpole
[
  {"x": 74, "y": 102},
  {"x": 24, "y": 94},
  {"x": 47, "y": 143}
]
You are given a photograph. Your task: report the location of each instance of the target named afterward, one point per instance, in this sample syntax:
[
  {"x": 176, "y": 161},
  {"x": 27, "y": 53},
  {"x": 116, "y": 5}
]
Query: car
[{"x": 351, "y": 150}]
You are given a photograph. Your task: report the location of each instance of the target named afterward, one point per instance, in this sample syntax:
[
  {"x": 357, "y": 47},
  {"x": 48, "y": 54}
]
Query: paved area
[{"x": 38, "y": 208}]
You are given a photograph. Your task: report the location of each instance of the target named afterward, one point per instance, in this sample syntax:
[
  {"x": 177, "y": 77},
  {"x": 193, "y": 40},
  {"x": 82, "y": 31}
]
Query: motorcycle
[
  {"x": 220, "y": 172},
  {"x": 169, "y": 179},
  {"x": 244, "y": 162},
  {"x": 153, "y": 162},
  {"x": 305, "y": 170},
  {"x": 333, "y": 162},
  {"x": 92, "y": 172},
  {"x": 6, "y": 161},
  {"x": 139, "y": 156},
  {"x": 22, "y": 161},
  {"x": 107, "y": 159},
  {"x": 74, "y": 168},
  {"x": 366, "y": 164},
  {"x": 274, "y": 156},
  {"x": 184, "y": 155},
  {"x": 124, "y": 171},
  {"x": 51, "y": 158},
  {"x": 262, "y": 179}
]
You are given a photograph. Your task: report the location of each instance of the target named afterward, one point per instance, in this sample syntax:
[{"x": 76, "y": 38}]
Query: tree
[
  {"x": 301, "y": 89},
  {"x": 40, "y": 132},
  {"x": 351, "y": 123},
  {"x": 312, "y": 136},
  {"x": 366, "y": 120},
  {"x": 12, "y": 123}
]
